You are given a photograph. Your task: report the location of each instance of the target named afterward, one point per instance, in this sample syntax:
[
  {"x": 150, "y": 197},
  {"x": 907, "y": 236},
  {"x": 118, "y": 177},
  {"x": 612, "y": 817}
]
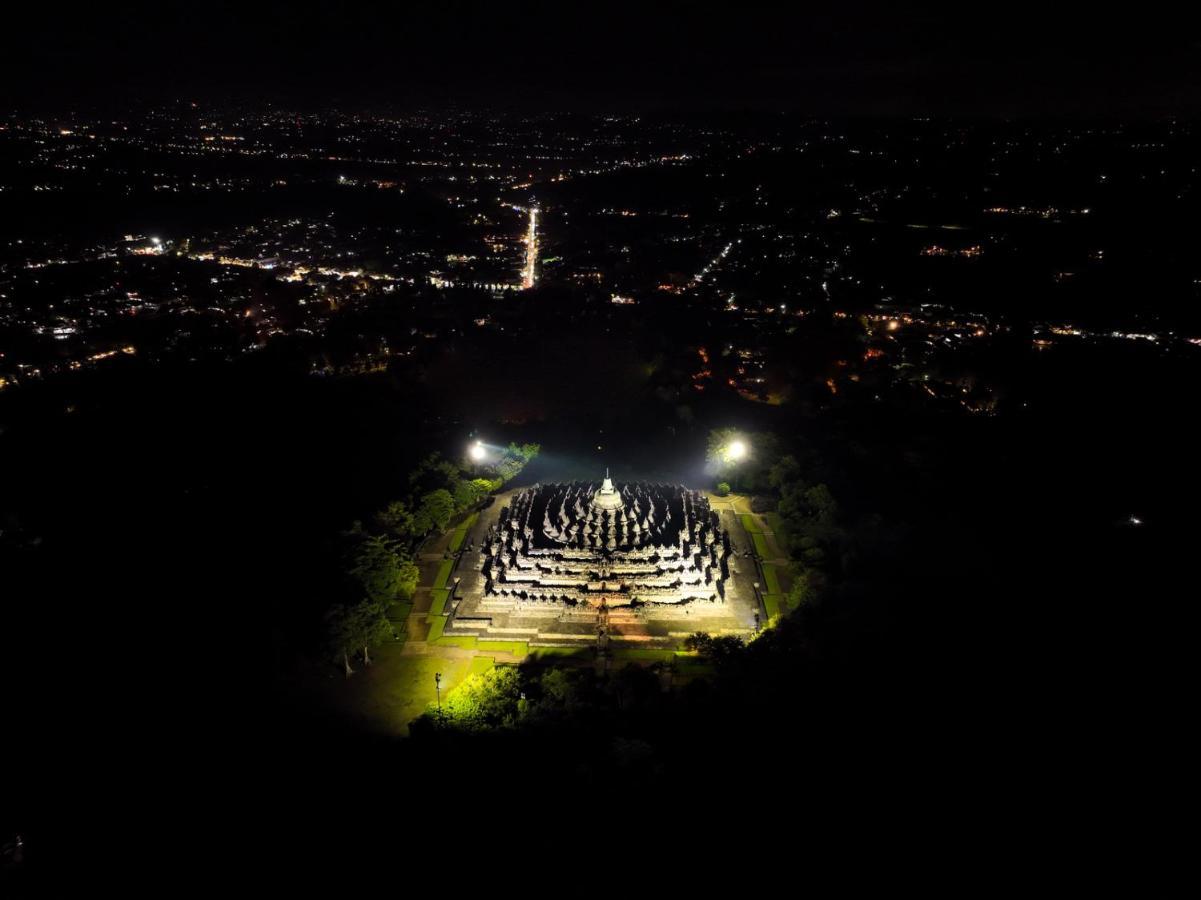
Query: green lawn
[
  {"x": 559, "y": 652},
  {"x": 480, "y": 664},
  {"x": 437, "y": 623},
  {"x": 776, "y": 604},
  {"x": 748, "y": 522},
  {"x": 760, "y": 544},
  {"x": 471, "y": 642},
  {"x": 772, "y": 578},
  {"x": 460, "y": 533},
  {"x": 443, "y": 573},
  {"x": 517, "y": 648},
  {"x": 438, "y": 604},
  {"x": 397, "y": 689}
]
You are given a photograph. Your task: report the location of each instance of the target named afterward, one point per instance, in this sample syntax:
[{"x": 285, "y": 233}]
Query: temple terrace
[{"x": 570, "y": 562}]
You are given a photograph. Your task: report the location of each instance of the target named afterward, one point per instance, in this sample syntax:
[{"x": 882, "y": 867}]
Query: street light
[
  {"x": 477, "y": 452},
  {"x": 736, "y": 450},
  {"x": 438, "y": 689}
]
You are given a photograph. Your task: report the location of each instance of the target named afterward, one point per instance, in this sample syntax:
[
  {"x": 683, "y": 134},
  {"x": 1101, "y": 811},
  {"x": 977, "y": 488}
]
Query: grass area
[
  {"x": 480, "y": 664},
  {"x": 438, "y": 603},
  {"x": 756, "y": 533},
  {"x": 460, "y": 533},
  {"x": 397, "y": 689},
  {"x": 517, "y": 648},
  {"x": 772, "y": 577},
  {"x": 443, "y": 573},
  {"x": 774, "y": 522},
  {"x": 471, "y": 642},
  {"x": 777, "y": 605},
  {"x": 436, "y": 623},
  {"x": 560, "y": 652}
]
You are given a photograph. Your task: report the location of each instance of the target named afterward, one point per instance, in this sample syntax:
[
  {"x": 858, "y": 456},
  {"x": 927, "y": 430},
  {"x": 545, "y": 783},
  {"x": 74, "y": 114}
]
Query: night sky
[{"x": 842, "y": 58}]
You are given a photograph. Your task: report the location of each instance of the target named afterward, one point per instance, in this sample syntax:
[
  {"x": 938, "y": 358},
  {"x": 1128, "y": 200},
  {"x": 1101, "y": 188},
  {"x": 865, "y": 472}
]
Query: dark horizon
[{"x": 865, "y": 59}]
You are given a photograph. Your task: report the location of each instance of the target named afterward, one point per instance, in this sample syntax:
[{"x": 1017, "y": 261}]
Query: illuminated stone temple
[{"x": 644, "y": 561}]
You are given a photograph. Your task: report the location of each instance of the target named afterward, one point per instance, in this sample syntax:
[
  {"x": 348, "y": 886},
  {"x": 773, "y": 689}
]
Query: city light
[{"x": 529, "y": 273}]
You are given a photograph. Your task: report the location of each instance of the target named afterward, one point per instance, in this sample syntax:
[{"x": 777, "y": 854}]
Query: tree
[
  {"x": 720, "y": 650},
  {"x": 810, "y": 517},
  {"x": 434, "y": 473},
  {"x": 805, "y": 587},
  {"x": 396, "y": 518},
  {"x": 513, "y": 460},
  {"x": 356, "y": 624},
  {"x": 407, "y": 581},
  {"x": 375, "y": 571},
  {"x": 719, "y": 440},
  {"x": 747, "y": 473},
  {"x": 468, "y": 493},
  {"x": 785, "y": 472},
  {"x": 435, "y": 511},
  {"x": 526, "y": 452},
  {"x": 485, "y": 700}
]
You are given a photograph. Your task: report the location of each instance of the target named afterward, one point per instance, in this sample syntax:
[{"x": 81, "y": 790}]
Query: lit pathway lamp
[
  {"x": 477, "y": 453},
  {"x": 735, "y": 452},
  {"x": 438, "y": 690}
]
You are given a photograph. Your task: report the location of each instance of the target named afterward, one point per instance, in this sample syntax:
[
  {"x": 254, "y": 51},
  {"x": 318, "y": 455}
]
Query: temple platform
[{"x": 646, "y": 566}]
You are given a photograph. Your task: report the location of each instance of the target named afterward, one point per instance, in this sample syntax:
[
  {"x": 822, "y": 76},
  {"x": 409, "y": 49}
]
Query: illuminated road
[{"x": 529, "y": 273}]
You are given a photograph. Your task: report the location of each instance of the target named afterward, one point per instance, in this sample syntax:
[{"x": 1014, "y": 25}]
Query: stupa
[{"x": 607, "y": 497}]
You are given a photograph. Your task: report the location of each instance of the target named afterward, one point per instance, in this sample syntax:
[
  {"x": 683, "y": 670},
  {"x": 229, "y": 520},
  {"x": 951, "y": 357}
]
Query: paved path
[{"x": 740, "y": 505}]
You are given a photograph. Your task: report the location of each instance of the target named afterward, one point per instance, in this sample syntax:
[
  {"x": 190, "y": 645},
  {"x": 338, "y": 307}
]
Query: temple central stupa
[{"x": 607, "y": 497}]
